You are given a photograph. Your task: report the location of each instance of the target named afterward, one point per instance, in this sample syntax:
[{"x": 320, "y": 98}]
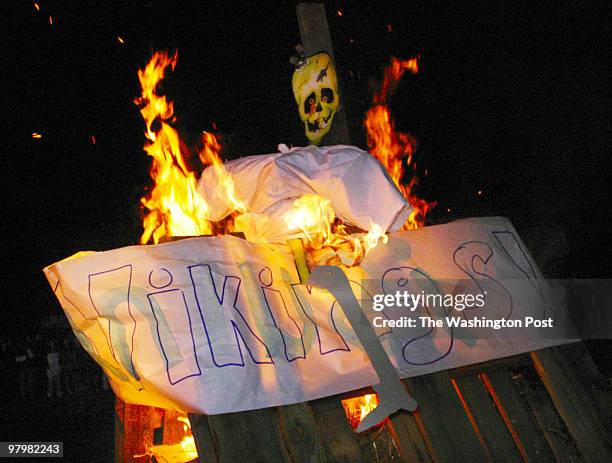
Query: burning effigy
[{"x": 223, "y": 321}]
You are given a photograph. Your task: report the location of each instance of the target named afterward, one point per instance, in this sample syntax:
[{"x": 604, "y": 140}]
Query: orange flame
[
  {"x": 181, "y": 452},
  {"x": 357, "y": 408},
  {"x": 174, "y": 207},
  {"x": 327, "y": 240},
  {"x": 313, "y": 215},
  {"x": 393, "y": 148},
  {"x": 209, "y": 156},
  {"x": 188, "y": 442}
]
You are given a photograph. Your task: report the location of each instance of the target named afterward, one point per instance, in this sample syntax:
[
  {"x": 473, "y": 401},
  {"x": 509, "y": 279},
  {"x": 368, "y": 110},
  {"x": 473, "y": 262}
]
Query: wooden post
[
  {"x": 512, "y": 407},
  {"x": 443, "y": 416},
  {"x": 314, "y": 32}
]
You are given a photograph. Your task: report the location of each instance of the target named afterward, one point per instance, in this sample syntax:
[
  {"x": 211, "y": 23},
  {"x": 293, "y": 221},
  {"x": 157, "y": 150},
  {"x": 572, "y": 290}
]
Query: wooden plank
[
  {"x": 139, "y": 421},
  {"x": 488, "y": 420},
  {"x": 205, "y": 445},
  {"x": 470, "y": 415},
  {"x": 338, "y": 436},
  {"x": 508, "y": 363},
  {"x": 445, "y": 420},
  {"x": 411, "y": 445},
  {"x": 247, "y": 436},
  {"x": 549, "y": 422},
  {"x": 314, "y": 32},
  {"x": 301, "y": 434},
  {"x": 499, "y": 405},
  {"x": 573, "y": 403},
  {"x": 522, "y": 424},
  {"x": 577, "y": 358}
]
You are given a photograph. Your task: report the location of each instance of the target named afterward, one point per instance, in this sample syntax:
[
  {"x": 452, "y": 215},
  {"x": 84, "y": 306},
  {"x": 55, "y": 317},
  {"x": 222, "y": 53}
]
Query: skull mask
[{"x": 315, "y": 87}]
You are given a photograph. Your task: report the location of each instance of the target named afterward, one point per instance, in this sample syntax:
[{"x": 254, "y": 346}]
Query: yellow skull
[{"x": 315, "y": 87}]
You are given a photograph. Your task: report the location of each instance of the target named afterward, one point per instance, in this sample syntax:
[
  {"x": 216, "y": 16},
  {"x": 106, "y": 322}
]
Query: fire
[
  {"x": 374, "y": 236},
  {"x": 327, "y": 240},
  {"x": 357, "y": 408},
  {"x": 393, "y": 148},
  {"x": 313, "y": 215},
  {"x": 181, "y": 452},
  {"x": 174, "y": 206},
  {"x": 175, "y": 209},
  {"x": 209, "y": 156},
  {"x": 188, "y": 441},
  {"x": 370, "y": 403}
]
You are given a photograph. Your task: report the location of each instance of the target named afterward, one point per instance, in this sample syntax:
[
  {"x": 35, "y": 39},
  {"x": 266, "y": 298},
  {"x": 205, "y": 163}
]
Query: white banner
[{"x": 218, "y": 324}]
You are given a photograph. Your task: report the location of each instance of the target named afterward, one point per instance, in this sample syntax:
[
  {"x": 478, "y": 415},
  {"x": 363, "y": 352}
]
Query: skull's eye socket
[
  {"x": 327, "y": 95},
  {"x": 309, "y": 103}
]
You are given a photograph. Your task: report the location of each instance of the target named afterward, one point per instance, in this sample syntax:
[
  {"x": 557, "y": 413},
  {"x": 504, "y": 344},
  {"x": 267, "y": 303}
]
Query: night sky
[{"x": 511, "y": 100}]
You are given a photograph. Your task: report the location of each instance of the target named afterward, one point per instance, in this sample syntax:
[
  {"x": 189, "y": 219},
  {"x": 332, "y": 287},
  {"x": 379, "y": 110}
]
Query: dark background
[{"x": 511, "y": 100}]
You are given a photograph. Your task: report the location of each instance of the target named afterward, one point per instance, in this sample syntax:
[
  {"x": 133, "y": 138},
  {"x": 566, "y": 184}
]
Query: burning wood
[
  {"x": 180, "y": 452},
  {"x": 357, "y": 408}
]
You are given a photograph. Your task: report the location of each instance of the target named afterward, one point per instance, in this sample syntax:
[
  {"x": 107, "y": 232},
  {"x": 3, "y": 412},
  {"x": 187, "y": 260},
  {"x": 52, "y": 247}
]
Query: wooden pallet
[{"x": 551, "y": 405}]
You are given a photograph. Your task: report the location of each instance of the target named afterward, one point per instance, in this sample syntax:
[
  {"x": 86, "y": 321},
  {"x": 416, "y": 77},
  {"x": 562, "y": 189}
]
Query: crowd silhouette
[{"x": 47, "y": 366}]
